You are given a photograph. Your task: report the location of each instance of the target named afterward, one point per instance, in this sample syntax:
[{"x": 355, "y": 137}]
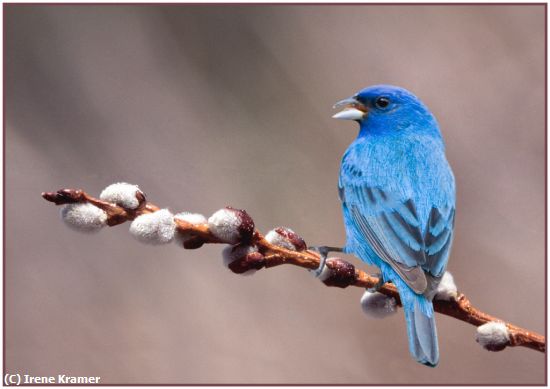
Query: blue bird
[{"x": 398, "y": 200}]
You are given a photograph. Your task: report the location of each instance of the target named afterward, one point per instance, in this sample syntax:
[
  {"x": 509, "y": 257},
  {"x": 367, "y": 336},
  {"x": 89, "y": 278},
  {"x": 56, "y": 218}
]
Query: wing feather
[
  {"x": 393, "y": 230},
  {"x": 438, "y": 239}
]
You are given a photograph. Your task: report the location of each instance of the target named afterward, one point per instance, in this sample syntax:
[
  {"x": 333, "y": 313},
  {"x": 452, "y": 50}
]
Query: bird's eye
[{"x": 382, "y": 102}]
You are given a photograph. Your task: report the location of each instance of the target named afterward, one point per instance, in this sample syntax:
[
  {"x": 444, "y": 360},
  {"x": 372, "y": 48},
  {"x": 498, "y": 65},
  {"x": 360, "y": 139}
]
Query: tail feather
[{"x": 422, "y": 332}]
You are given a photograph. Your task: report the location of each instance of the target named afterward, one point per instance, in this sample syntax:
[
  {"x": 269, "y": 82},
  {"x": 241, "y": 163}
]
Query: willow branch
[{"x": 341, "y": 273}]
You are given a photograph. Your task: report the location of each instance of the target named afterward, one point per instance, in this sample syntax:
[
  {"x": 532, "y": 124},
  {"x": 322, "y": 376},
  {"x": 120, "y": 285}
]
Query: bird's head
[{"x": 386, "y": 109}]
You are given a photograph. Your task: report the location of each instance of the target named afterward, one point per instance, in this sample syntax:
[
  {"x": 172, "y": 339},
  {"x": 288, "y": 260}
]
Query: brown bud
[
  {"x": 293, "y": 238},
  {"x": 342, "y": 273},
  {"x": 246, "y": 228},
  {"x": 140, "y": 196},
  {"x": 232, "y": 226},
  {"x": 250, "y": 261},
  {"x": 494, "y": 347},
  {"x": 64, "y": 196},
  {"x": 193, "y": 243}
]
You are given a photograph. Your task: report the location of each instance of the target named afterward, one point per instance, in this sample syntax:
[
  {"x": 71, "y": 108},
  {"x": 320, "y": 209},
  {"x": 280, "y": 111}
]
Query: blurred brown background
[{"x": 205, "y": 106}]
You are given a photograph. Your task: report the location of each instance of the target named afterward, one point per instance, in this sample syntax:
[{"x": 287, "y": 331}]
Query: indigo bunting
[{"x": 398, "y": 200}]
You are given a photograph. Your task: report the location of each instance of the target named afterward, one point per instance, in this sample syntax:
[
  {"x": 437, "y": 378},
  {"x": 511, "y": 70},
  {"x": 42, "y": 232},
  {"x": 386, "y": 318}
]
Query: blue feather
[{"x": 398, "y": 200}]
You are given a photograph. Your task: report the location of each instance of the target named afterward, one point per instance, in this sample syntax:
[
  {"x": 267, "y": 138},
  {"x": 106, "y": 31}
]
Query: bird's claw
[
  {"x": 323, "y": 252},
  {"x": 378, "y": 285}
]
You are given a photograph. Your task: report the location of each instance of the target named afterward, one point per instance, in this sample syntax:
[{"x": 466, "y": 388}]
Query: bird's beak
[{"x": 353, "y": 109}]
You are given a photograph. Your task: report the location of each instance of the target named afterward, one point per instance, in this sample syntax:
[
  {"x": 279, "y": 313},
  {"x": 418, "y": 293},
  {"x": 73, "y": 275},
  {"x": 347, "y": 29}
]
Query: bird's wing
[
  {"x": 393, "y": 230},
  {"x": 438, "y": 239}
]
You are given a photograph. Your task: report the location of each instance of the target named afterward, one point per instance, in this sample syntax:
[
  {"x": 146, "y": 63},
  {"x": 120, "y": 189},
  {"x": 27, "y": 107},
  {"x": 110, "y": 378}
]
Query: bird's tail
[{"x": 421, "y": 329}]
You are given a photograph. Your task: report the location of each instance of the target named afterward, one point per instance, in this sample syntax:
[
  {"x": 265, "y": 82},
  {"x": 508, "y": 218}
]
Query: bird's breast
[{"x": 406, "y": 168}]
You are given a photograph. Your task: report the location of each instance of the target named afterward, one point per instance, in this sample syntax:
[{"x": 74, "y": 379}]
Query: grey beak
[
  {"x": 350, "y": 101},
  {"x": 353, "y": 109}
]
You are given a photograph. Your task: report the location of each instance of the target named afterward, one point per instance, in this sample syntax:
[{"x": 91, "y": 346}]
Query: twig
[{"x": 340, "y": 273}]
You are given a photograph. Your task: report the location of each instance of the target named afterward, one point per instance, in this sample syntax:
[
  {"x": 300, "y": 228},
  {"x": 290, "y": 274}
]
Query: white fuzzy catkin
[
  {"x": 446, "y": 290},
  {"x": 378, "y": 305},
  {"x": 193, "y": 218},
  {"x": 224, "y": 225},
  {"x": 277, "y": 239},
  {"x": 493, "y": 335},
  {"x": 122, "y": 194},
  {"x": 83, "y": 217},
  {"x": 232, "y": 253},
  {"x": 154, "y": 228}
]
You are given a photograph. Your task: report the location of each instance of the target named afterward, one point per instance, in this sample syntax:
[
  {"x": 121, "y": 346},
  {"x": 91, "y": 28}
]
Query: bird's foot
[
  {"x": 378, "y": 285},
  {"x": 323, "y": 252}
]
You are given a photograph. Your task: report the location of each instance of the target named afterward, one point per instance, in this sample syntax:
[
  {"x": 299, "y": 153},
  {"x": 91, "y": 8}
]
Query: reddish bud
[
  {"x": 193, "y": 243},
  {"x": 232, "y": 225},
  {"x": 64, "y": 196},
  {"x": 252, "y": 261},
  {"x": 342, "y": 273}
]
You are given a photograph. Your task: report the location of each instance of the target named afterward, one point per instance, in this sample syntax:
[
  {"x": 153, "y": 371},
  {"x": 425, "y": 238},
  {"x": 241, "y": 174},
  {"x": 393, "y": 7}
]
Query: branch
[{"x": 252, "y": 251}]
